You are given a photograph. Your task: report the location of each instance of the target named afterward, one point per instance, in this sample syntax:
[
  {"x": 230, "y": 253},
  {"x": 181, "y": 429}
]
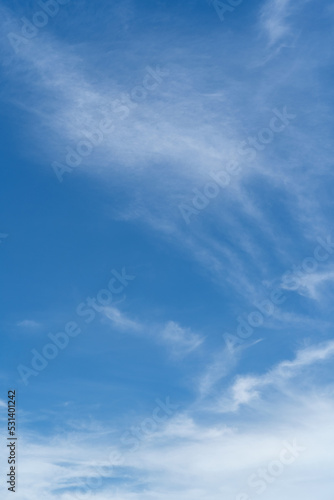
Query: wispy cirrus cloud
[
  {"x": 28, "y": 323},
  {"x": 120, "y": 320},
  {"x": 160, "y": 131},
  {"x": 182, "y": 341},
  {"x": 188, "y": 456},
  {"x": 178, "y": 340},
  {"x": 247, "y": 389},
  {"x": 274, "y": 16},
  {"x": 212, "y": 105},
  {"x": 311, "y": 285}
]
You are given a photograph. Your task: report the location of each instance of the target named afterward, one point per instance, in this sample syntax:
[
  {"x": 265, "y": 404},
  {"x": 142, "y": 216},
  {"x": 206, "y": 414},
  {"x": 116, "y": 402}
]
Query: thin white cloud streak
[
  {"x": 182, "y": 341},
  {"x": 221, "y": 365},
  {"x": 28, "y": 323},
  {"x": 121, "y": 320},
  {"x": 273, "y": 17},
  {"x": 75, "y": 101},
  {"x": 179, "y": 341},
  {"x": 247, "y": 389},
  {"x": 311, "y": 285}
]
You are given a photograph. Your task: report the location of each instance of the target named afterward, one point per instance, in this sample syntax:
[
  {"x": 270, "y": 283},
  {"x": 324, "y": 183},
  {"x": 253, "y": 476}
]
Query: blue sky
[{"x": 167, "y": 219}]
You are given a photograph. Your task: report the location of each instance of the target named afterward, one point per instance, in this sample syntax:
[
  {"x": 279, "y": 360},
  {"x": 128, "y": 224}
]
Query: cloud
[
  {"x": 171, "y": 142},
  {"x": 190, "y": 457},
  {"x": 181, "y": 341},
  {"x": 160, "y": 132},
  {"x": 310, "y": 285},
  {"x": 221, "y": 365},
  {"x": 246, "y": 389},
  {"x": 274, "y": 19},
  {"x": 120, "y": 320},
  {"x": 28, "y": 323}
]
